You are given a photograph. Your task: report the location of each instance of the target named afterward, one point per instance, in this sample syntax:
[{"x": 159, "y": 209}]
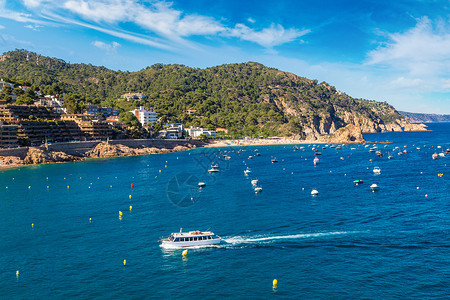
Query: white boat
[
  {"x": 250, "y": 157},
  {"x": 215, "y": 166},
  {"x": 254, "y": 182},
  {"x": 258, "y": 189},
  {"x": 201, "y": 184},
  {"x": 247, "y": 171},
  {"x": 374, "y": 187},
  {"x": 213, "y": 170},
  {"x": 377, "y": 170},
  {"x": 442, "y": 154},
  {"x": 314, "y": 192},
  {"x": 190, "y": 239},
  {"x": 435, "y": 156},
  {"x": 316, "y": 160}
]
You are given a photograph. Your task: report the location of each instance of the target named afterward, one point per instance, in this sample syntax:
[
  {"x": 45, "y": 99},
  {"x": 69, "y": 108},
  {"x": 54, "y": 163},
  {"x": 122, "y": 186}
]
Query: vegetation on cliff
[{"x": 246, "y": 98}]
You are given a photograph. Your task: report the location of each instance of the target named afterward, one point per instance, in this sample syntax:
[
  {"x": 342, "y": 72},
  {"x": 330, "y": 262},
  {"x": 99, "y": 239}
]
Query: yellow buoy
[
  {"x": 120, "y": 213},
  {"x": 130, "y": 196},
  {"x": 29, "y": 187},
  {"x": 275, "y": 283},
  {"x": 47, "y": 186},
  {"x": 124, "y": 262},
  {"x": 90, "y": 219},
  {"x": 17, "y": 273},
  {"x": 67, "y": 186},
  {"x": 131, "y": 207},
  {"x": 32, "y": 225},
  {"x": 159, "y": 171},
  {"x": 185, "y": 252}
]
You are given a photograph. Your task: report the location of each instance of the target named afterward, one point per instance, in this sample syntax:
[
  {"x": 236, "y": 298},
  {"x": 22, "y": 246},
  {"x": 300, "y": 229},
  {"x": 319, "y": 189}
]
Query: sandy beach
[{"x": 259, "y": 142}]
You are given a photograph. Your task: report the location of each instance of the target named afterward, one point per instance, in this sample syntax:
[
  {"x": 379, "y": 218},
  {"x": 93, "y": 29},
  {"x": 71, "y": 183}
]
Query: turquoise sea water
[{"x": 345, "y": 243}]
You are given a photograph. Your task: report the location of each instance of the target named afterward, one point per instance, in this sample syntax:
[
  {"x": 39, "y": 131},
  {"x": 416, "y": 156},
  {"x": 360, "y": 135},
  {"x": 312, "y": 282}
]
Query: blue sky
[{"x": 393, "y": 51}]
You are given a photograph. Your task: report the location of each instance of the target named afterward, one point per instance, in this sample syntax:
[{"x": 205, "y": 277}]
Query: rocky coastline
[
  {"x": 350, "y": 134},
  {"x": 42, "y": 155}
]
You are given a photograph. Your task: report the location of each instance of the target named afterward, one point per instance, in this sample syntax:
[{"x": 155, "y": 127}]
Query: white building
[
  {"x": 145, "y": 116},
  {"x": 195, "y": 132}
]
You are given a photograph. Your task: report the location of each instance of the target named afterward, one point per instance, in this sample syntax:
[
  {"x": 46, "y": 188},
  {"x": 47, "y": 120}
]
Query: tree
[
  {"x": 129, "y": 119},
  {"x": 24, "y": 100},
  {"x": 72, "y": 103},
  {"x": 18, "y": 91},
  {"x": 157, "y": 127},
  {"x": 6, "y": 89}
]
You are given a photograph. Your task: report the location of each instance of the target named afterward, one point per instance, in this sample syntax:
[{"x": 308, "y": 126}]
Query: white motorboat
[
  {"x": 258, "y": 189},
  {"x": 435, "y": 156},
  {"x": 213, "y": 170},
  {"x": 254, "y": 182},
  {"x": 247, "y": 171},
  {"x": 314, "y": 192},
  {"x": 190, "y": 239},
  {"x": 201, "y": 184},
  {"x": 377, "y": 170},
  {"x": 374, "y": 187}
]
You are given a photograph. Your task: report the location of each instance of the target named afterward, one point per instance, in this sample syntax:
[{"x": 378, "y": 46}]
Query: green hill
[{"x": 246, "y": 98}]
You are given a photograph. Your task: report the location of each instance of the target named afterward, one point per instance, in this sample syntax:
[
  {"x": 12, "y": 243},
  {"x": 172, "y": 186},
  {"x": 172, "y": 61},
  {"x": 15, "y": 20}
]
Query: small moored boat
[
  {"x": 314, "y": 192},
  {"x": 374, "y": 187},
  {"x": 358, "y": 181},
  {"x": 254, "y": 182},
  {"x": 190, "y": 239},
  {"x": 377, "y": 170},
  {"x": 213, "y": 170},
  {"x": 258, "y": 190}
]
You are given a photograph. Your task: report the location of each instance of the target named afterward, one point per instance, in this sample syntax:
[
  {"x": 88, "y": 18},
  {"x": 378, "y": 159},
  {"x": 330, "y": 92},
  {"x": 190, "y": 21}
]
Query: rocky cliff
[{"x": 349, "y": 134}]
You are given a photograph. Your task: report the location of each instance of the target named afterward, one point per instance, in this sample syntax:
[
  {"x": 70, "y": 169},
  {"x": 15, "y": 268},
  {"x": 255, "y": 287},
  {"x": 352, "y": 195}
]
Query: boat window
[{"x": 177, "y": 240}]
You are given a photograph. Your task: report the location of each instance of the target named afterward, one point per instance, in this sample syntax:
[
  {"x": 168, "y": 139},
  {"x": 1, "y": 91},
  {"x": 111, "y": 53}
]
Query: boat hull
[{"x": 169, "y": 244}]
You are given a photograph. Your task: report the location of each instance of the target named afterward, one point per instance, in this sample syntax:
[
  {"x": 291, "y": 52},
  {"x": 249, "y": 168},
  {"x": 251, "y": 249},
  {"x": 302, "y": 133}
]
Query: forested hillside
[
  {"x": 425, "y": 118},
  {"x": 246, "y": 99}
]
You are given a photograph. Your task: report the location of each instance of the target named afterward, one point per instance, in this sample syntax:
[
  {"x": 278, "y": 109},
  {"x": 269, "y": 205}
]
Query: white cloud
[
  {"x": 33, "y": 27},
  {"x": 274, "y": 35},
  {"x": 107, "y": 11},
  {"x": 107, "y": 47},
  {"x": 160, "y": 18},
  {"x": 251, "y": 20},
  {"x": 406, "y": 83},
  {"x": 421, "y": 50}
]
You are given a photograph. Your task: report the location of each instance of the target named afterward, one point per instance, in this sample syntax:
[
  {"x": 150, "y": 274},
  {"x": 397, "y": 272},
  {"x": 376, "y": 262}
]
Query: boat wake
[{"x": 238, "y": 240}]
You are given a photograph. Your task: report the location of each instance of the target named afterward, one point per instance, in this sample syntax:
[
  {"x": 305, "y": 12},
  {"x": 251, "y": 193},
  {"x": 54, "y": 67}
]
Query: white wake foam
[{"x": 246, "y": 240}]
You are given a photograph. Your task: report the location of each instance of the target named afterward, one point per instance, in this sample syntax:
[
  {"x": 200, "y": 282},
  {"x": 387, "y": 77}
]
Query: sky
[{"x": 394, "y": 51}]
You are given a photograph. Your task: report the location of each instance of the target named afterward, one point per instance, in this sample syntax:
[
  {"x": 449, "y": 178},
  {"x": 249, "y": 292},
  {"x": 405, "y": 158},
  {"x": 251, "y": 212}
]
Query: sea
[{"x": 90, "y": 230}]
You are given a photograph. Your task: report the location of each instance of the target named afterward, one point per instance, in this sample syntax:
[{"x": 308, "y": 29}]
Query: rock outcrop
[
  {"x": 39, "y": 156},
  {"x": 349, "y": 134},
  {"x": 105, "y": 149},
  {"x": 415, "y": 127}
]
